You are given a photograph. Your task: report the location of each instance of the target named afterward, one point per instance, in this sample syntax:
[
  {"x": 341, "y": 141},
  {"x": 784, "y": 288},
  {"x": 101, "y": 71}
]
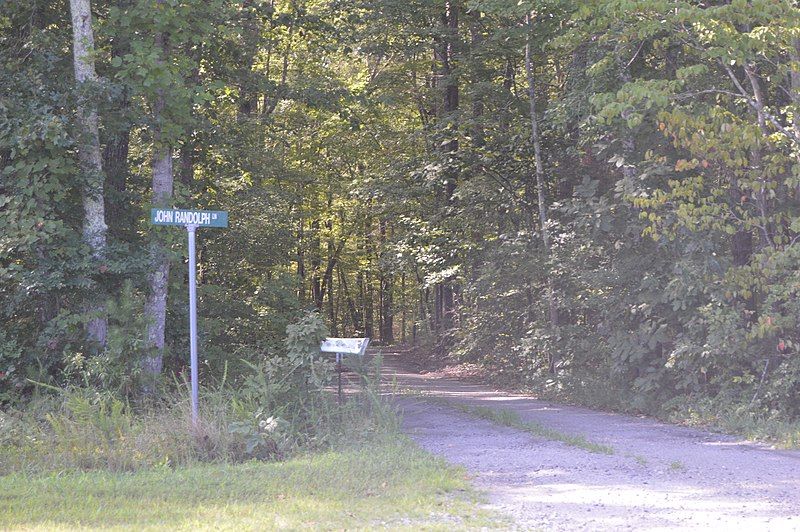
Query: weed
[{"x": 677, "y": 465}]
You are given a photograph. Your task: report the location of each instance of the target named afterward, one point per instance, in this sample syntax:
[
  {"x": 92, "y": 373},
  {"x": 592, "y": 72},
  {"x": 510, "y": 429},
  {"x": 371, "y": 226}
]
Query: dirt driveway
[{"x": 660, "y": 476}]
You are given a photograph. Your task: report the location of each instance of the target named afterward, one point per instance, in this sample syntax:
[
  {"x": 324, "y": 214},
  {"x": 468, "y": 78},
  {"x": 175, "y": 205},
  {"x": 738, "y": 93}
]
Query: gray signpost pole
[
  {"x": 190, "y": 229},
  {"x": 191, "y": 220}
]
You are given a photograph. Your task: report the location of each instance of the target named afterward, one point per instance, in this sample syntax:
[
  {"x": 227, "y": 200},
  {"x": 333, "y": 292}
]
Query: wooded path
[{"x": 659, "y": 476}]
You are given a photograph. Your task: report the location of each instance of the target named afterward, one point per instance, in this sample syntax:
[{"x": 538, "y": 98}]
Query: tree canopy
[{"x": 600, "y": 198}]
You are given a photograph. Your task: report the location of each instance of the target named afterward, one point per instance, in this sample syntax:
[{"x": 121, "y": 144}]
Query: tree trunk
[
  {"x": 328, "y": 279},
  {"x": 387, "y": 326},
  {"x": 332, "y": 309},
  {"x": 537, "y": 154},
  {"x": 369, "y": 320},
  {"x": 156, "y": 305},
  {"x": 94, "y": 224},
  {"x": 369, "y": 289},
  {"x": 316, "y": 264},
  {"x": 301, "y": 262},
  {"x": 355, "y": 316},
  {"x": 403, "y": 306},
  {"x": 119, "y": 214},
  {"x": 446, "y": 56},
  {"x": 115, "y": 162},
  {"x": 387, "y": 317}
]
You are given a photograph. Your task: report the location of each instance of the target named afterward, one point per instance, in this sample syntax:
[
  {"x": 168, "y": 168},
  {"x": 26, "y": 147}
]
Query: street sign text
[{"x": 189, "y": 217}]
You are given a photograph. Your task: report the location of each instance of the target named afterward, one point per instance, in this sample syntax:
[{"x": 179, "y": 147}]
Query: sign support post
[
  {"x": 190, "y": 230},
  {"x": 191, "y": 220}
]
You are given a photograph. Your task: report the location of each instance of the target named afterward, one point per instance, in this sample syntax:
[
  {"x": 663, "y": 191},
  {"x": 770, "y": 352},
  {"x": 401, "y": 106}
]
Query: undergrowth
[
  {"x": 280, "y": 409},
  {"x": 723, "y": 413},
  {"x": 78, "y": 430}
]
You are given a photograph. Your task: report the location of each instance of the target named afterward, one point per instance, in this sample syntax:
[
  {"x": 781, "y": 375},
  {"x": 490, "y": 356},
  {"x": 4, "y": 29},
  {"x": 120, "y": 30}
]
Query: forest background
[{"x": 599, "y": 200}]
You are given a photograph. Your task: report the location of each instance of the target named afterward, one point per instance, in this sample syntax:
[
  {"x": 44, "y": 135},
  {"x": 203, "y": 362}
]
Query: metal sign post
[
  {"x": 190, "y": 229},
  {"x": 191, "y": 220}
]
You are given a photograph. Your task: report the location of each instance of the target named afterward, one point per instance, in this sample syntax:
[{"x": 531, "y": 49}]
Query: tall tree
[
  {"x": 161, "y": 166},
  {"x": 552, "y": 305},
  {"x": 94, "y": 224}
]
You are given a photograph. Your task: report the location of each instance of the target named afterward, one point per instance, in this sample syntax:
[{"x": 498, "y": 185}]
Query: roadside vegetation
[
  {"x": 597, "y": 201},
  {"x": 711, "y": 414},
  {"x": 273, "y": 449},
  {"x": 271, "y": 410}
]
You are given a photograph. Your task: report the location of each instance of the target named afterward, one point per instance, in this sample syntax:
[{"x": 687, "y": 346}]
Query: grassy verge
[
  {"x": 385, "y": 484},
  {"x": 739, "y": 420},
  {"x": 509, "y": 418}
]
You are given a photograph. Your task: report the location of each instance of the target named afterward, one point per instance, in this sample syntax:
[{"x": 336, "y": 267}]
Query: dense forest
[{"x": 599, "y": 199}]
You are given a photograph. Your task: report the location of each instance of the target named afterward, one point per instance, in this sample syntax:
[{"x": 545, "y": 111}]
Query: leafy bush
[{"x": 117, "y": 369}]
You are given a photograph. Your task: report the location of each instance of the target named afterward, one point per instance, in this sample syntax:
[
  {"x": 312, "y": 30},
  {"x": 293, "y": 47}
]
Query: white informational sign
[
  {"x": 347, "y": 346},
  {"x": 343, "y": 346}
]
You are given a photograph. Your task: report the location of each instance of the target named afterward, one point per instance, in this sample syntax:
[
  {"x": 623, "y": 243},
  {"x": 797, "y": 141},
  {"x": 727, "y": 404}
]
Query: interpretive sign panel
[
  {"x": 348, "y": 346},
  {"x": 189, "y": 217},
  {"x": 343, "y": 346}
]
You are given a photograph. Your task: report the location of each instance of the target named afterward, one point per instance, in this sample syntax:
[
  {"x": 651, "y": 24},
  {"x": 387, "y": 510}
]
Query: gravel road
[{"x": 660, "y": 477}]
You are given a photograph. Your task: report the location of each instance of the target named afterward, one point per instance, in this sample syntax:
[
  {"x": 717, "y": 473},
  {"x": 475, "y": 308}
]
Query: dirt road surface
[{"x": 660, "y": 476}]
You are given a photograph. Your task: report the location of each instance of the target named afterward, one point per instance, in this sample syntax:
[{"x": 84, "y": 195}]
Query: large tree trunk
[
  {"x": 537, "y": 154},
  {"x": 94, "y": 224},
  {"x": 115, "y": 162},
  {"x": 156, "y": 305},
  {"x": 116, "y": 147}
]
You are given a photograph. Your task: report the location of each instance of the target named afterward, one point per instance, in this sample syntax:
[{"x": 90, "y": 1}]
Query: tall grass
[{"x": 84, "y": 429}]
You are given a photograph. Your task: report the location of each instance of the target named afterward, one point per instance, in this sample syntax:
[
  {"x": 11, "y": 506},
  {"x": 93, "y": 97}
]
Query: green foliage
[
  {"x": 303, "y": 339},
  {"x": 377, "y": 164},
  {"x": 10, "y": 355},
  {"x": 279, "y": 409},
  {"x": 117, "y": 369}
]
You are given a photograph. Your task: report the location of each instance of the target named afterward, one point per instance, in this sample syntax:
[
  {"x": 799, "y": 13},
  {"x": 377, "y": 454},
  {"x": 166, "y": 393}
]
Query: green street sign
[
  {"x": 191, "y": 220},
  {"x": 188, "y": 217}
]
